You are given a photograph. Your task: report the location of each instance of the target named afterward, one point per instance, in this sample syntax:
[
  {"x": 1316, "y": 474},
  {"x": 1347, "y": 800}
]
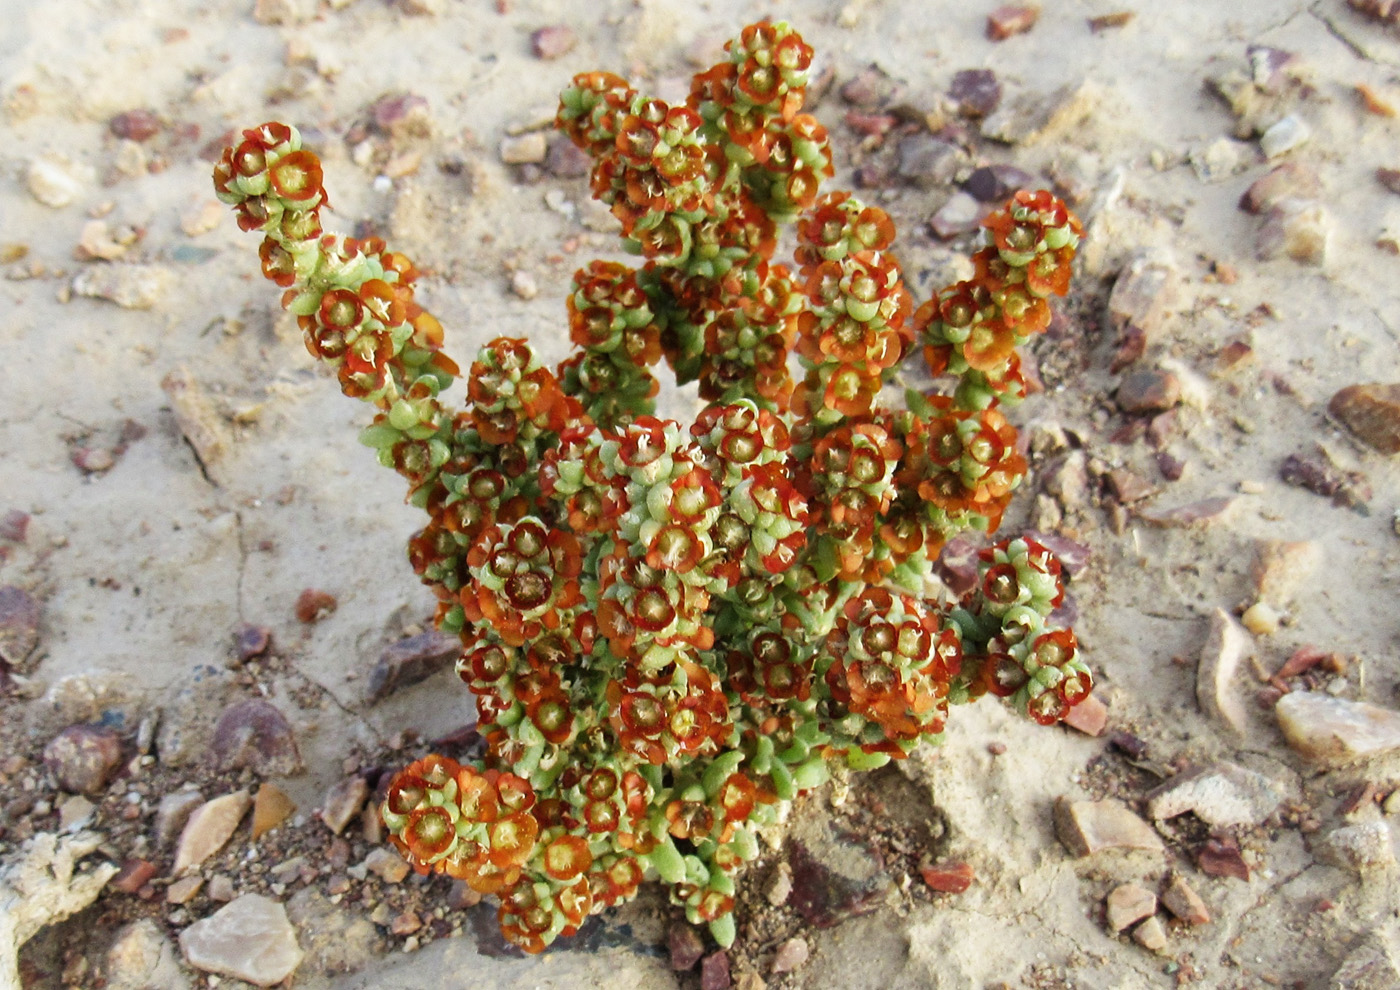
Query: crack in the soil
[{"x": 1331, "y": 25}]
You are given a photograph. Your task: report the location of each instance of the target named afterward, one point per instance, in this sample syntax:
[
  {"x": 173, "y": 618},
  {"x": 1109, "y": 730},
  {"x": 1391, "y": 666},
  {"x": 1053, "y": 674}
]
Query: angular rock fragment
[
  {"x": 553, "y": 41},
  {"x": 313, "y": 605},
  {"x": 1371, "y": 413},
  {"x": 525, "y": 149},
  {"x": 249, "y": 939},
  {"x": 1281, "y": 567},
  {"x": 948, "y": 878},
  {"x": 1226, "y": 645},
  {"x": 19, "y": 625},
  {"x": 411, "y": 660},
  {"x": 685, "y": 945},
  {"x": 1204, "y": 511},
  {"x": 1330, "y": 732},
  {"x": 83, "y": 758},
  {"x": 1372, "y": 964},
  {"x": 1294, "y": 228},
  {"x": 209, "y": 828},
  {"x": 928, "y": 161},
  {"x": 1151, "y": 935},
  {"x": 129, "y": 286},
  {"x": 271, "y": 807},
  {"x": 835, "y": 877},
  {"x": 1005, "y": 22},
  {"x": 56, "y": 182},
  {"x": 1220, "y": 856},
  {"x": 1032, "y": 117},
  {"x": 1364, "y": 847},
  {"x": 1090, "y": 716},
  {"x": 714, "y": 971},
  {"x": 994, "y": 183},
  {"x": 962, "y": 214},
  {"x": 254, "y": 734},
  {"x": 173, "y": 812},
  {"x": 1087, "y": 827},
  {"x": 1185, "y": 903},
  {"x": 1219, "y": 795},
  {"x": 1316, "y": 472},
  {"x": 198, "y": 421},
  {"x": 791, "y": 954},
  {"x": 388, "y": 865},
  {"x": 1128, "y": 904},
  {"x": 1150, "y": 390},
  {"x": 1142, "y": 295},
  {"x": 343, "y": 802}
]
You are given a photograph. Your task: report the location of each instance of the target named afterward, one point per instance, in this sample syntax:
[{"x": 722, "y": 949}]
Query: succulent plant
[{"x": 673, "y": 631}]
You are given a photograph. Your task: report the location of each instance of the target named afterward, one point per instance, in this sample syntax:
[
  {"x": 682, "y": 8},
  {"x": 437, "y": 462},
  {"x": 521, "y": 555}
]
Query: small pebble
[
  {"x": 56, "y": 182},
  {"x": 1127, "y": 905},
  {"x": 1005, "y": 22},
  {"x": 791, "y": 955},
  {"x": 1284, "y": 136},
  {"x": 1185, "y": 903},
  {"x": 343, "y": 802},
  {"x": 1371, "y": 413},
  {"x": 313, "y": 605},
  {"x": 1151, "y": 935},
  {"x": 525, "y": 149},
  {"x": 552, "y": 42},
  {"x": 523, "y": 284}
]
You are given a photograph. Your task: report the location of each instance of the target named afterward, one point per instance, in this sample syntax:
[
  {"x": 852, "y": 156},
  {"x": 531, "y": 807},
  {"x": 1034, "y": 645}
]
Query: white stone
[
  {"x": 54, "y": 181},
  {"x": 1363, "y": 847},
  {"x": 144, "y": 958},
  {"x": 1221, "y": 795},
  {"x": 1333, "y": 731},
  {"x": 129, "y": 286},
  {"x": 249, "y": 938},
  {"x": 1284, "y": 136},
  {"x": 1226, "y": 645}
]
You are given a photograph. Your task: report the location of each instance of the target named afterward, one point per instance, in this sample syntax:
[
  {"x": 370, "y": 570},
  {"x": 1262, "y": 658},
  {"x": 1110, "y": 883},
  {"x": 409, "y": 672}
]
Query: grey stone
[
  {"x": 411, "y": 660},
  {"x": 962, "y": 214},
  {"x": 19, "y": 626},
  {"x": 1371, "y": 965},
  {"x": 335, "y": 939},
  {"x": 1220, "y": 795},
  {"x": 1143, "y": 293},
  {"x": 929, "y": 161},
  {"x": 525, "y": 149},
  {"x": 1330, "y": 732},
  {"x": 250, "y": 939},
  {"x": 387, "y": 864},
  {"x": 56, "y": 182},
  {"x": 173, "y": 812},
  {"x": 144, "y": 958},
  {"x": 1364, "y": 847},
  {"x": 129, "y": 286},
  {"x": 1283, "y": 136}
]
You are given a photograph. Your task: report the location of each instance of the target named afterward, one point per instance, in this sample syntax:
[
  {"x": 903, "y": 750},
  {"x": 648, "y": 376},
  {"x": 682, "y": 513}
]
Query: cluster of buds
[{"x": 672, "y": 632}]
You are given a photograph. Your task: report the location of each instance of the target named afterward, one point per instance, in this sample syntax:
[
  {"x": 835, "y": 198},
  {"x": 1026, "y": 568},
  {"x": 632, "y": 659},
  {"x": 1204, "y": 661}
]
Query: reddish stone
[
  {"x": 1171, "y": 467},
  {"x": 871, "y": 88},
  {"x": 134, "y": 874},
  {"x": 1106, "y": 22},
  {"x": 875, "y": 125},
  {"x": 1313, "y": 472},
  {"x": 256, "y": 735},
  {"x": 1150, "y": 390},
  {"x": 948, "y": 878},
  {"x": 977, "y": 92},
  {"x": 14, "y": 525},
  {"x": 685, "y": 944},
  {"x": 1005, "y": 22},
  {"x": 83, "y": 758},
  {"x": 553, "y": 41},
  {"x": 1090, "y": 716},
  {"x": 251, "y": 641},
  {"x": 411, "y": 660},
  {"x": 313, "y": 605},
  {"x": 1371, "y": 413},
  {"x": 1220, "y": 857},
  {"x": 135, "y": 125},
  {"x": 714, "y": 972},
  {"x": 1390, "y": 178}
]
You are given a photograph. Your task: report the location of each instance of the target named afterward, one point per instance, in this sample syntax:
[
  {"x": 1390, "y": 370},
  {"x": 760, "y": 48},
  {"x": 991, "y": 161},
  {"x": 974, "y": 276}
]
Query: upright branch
[{"x": 673, "y": 631}]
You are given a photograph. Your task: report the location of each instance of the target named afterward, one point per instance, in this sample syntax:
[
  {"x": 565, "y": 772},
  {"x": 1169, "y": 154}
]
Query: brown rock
[
  {"x": 411, "y": 660},
  {"x": 1127, "y": 905},
  {"x": 948, "y": 878},
  {"x": 1034, "y": 116},
  {"x": 1151, "y": 935},
  {"x": 1149, "y": 390},
  {"x": 134, "y": 874},
  {"x": 182, "y": 891},
  {"x": 1206, "y": 510},
  {"x": 1220, "y": 856},
  {"x": 566, "y": 160},
  {"x": 172, "y": 814},
  {"x": 1087, "y": 827},
  {"x": 1372, "y": 413},
  {"x": 994, "y": 183},
  {"x": 83, "y": 758},
  {"x": 271, "y": 807},
  {"x": 343, "y": 802},
  {"x": 135, "y": 125},
  {"x": 1128, "y": 486},
  {"x": 209, "y": 828},
  {"x": 1291, "y": 180},
  {"x": 254, "y": 734},
  {"x": 871, "y": 88},
  {"x": 714, "y": 971},
  {"x": 1226, "y": 645},
  {"x": 405, "y": 924},
  {"x": 685, "y": 945},
  {"x": 1294, "y": 228},
  {"x": 792, "y": 954},
  {"x": 1005, "y": 22},
  {"x": 1143, "y": 293},
  {"x": 314, "y": 605},
  {"x": 14, "y": 526},
  {"x": 19, "y": 625},
  {"x": 1185, "y": 903},
  {"x": 251, "y": 641},
  {"x": 1317, "y": 473},
  {"x": 977, "y": 93},
  {"x": 553, "y": 41}
]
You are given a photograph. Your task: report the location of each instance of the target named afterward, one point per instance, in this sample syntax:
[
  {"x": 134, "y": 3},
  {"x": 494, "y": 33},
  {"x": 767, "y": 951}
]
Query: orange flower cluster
[{"x": 670, "y": 633}]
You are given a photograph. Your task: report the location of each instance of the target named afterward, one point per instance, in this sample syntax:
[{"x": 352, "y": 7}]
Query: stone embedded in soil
[
  {"x": 714, "y": 971},
  {"x": 1281, "y": 567},
  {"x": 254, "y": 734},
  {"x": 1226, "y": 645},
  {"x": 1151, "y": 934},
  {"x": 250, "y": 641},
  {"x": 684, "y": 944},
  {"x": 143, "y": 958},
  {"x": 250, "y": 939},
  {"x": 182, "y": 891},
  {"x": 792, "y": 954},
  {"x": 409, "y": 661},
  {"x": 1332, "y": 732},
  {"x": 19, "y": 625},
  {"x": 948, "y": 878},
  {"x": 962, "y": 214},
  {"x": 1143, "y": 293},
  {"x": 141, "y": 124},
  {"x": 524, "y": 149},
  {"x": 210, "y": 826},
  {"x": 197, "y": 420},
  {"x": 1181, "y": 900},
  {"x": 335, "y": 939},
  {"x": 1087, "y": 827},
  {"x": 994, "y": 183},
  {"x": 1008, "y": 21},
  {"x": 1295, "y": 228},
  {"x": 1127, "y": 904},
  {"x": 835, "y": 876},
  {"x": 1390, "y": 178},
  {"x": 271, "y": 807},
  {"x": 1149, "y": 390},
  {"x": 1316, "y": 472},
  {"x": 976, "y": 92},
  {"x": 1034, "y": 116},
  {"x": 343, "y": 802},
  {"x": 14, "y": 525},
  {"x": 1371, "y": 965},
  {"x": 928, "y": 161},
  {"x": 220, "y": 889},
  {"x": 872, "y": 87},
  {"x": 1283, "y": 136},
  {"x": 1090, "y": 716},
  {"x": 173, "y": 812},
  {"x": 1364, "y": 847},
  {"x": 313, "y": 605},
  {"x": 134, "y": 874},
  {"x": 56, "y": 182},
  {"x": 84, "y": 758},
  {"x": 1372, "y": 413},
  {"x": 566, "y": 160},
  {"x": 1291, "y": 180},
  {"x": 387, "y": 864},
  {"x": 1219, "y": 856},
  {"x": 553, "y": 41},
  {"x": 1220, "y": 795},
  {"x": 130, "y": 286}
]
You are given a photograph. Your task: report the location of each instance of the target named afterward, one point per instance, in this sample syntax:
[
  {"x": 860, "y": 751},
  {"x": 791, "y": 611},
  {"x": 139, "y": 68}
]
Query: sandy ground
[{"x": 146, "y": 568}]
